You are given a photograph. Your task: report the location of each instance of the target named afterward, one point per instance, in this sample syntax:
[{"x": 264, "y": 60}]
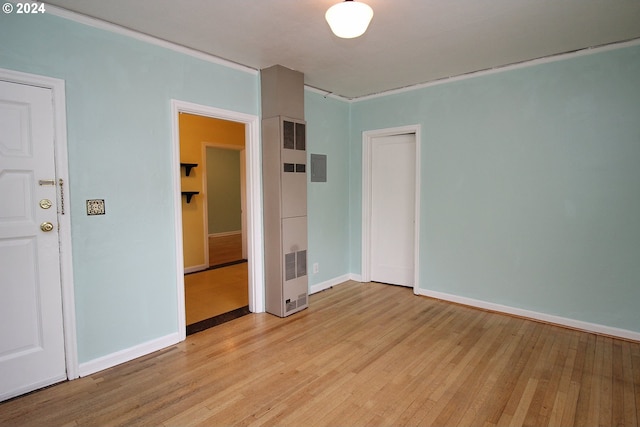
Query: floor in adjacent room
[
  {"x": 210, "y": 293},
  {"x": 213, "y": 293}
]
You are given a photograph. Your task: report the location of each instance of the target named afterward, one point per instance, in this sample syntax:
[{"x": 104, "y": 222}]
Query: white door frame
[
  {"x": 255, "y": 254},
  {"x": 367, "y": 141},
  {"x": 243, "y": 200},
  {"x": 57, "y": 87}
]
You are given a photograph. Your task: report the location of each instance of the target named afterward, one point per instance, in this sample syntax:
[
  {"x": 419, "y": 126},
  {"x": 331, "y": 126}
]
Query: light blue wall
[
  {"x": 530, "y": 186},
  {"x": 328, "y": 202},
  {"x": 119, "y": 143}
]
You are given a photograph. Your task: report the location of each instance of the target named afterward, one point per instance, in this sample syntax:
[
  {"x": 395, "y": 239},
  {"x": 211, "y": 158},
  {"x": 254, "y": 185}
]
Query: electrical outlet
[
  {"x": 316, "y": 267},
  {"x": 95, "y": 207}
]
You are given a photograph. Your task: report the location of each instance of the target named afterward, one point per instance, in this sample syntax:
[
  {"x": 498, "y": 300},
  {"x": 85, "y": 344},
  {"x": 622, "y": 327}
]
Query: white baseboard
[
  {"x": 534, "y": 315},
  {"x": 128, "y": 354},
  {"x": 328, "y": 283},
  {"x": 195, "y": 268},
  {"x": 355, "y": 277},
  {"x": 499, "y": 308},
  {"x": 226, "y": 233}
]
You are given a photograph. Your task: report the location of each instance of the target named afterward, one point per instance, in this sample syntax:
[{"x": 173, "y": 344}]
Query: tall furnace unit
[{"x": 284, "y": 178}]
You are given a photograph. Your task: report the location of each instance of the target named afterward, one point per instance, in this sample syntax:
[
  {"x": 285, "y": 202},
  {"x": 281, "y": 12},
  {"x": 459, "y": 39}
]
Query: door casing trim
[
  {"x": 57, "y": 87},
  {"x": 367, "y": 141},
  {"x": 255, "y": 244}
]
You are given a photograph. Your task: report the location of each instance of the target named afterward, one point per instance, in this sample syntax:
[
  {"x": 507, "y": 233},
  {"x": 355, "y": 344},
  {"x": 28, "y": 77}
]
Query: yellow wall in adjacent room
[{"x": 194, "y": 131}]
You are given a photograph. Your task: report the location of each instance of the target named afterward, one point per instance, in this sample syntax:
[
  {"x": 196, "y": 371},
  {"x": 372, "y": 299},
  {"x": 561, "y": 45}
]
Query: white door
[
  {"x": 32, "y": 351},
  {"x": 393, "y": 186}
]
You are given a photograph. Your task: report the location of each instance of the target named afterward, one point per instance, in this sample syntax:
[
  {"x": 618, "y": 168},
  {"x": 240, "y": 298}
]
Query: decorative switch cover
[{"x": 95, "y": 207}]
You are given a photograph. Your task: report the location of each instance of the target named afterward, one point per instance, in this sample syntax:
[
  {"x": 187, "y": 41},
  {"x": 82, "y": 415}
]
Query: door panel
[
  {"x": 31, "y": 333},
  {"x": 393, "y": 180}
]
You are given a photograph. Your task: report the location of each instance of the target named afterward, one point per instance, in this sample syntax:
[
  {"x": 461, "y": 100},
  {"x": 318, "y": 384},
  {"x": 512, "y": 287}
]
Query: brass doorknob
[{"x": 46, "y": 226}]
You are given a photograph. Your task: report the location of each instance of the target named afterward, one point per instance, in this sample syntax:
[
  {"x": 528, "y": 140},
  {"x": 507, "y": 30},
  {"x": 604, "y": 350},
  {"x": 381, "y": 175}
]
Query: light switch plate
[{"x": 95, "y": 207}]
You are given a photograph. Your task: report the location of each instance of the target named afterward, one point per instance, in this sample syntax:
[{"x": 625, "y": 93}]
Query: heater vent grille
[
  {"x": 290, "y": 266},
  {"x": 295, "y": 265},
  {"x": 302, "y": 300}
]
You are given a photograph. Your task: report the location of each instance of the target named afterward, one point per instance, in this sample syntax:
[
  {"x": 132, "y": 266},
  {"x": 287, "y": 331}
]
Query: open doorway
[
  {"x": 225, "y": 188},
  {"x": 234, "y": 131},
  {"x": 216, "y": 282}
]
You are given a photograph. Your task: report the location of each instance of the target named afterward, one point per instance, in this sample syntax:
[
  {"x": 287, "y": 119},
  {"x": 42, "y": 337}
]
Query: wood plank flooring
[
  {"x": 211, "y": 293},
  {"x": 362, "y": 354},
  {"x": 224, "y": 249}
]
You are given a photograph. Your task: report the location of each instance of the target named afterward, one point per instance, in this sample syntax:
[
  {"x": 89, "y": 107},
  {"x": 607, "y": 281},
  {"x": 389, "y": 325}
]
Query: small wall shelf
[
  {"x": 187, "y": 167},
  {"x": 190, "y": 194}
]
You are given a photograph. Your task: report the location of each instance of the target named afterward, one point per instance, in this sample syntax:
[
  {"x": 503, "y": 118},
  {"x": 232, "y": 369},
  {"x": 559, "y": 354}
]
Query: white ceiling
[{"x": 408, "y": 42}]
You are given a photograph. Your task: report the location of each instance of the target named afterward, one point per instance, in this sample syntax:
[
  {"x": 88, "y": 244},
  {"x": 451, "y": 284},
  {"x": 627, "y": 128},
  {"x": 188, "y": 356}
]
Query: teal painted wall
[
  {"x": 223, "y": 190},
  {"x": 530, "y": 186},
  {"x": 119, "y": 145},
  {"x": 328, "y": 202}
]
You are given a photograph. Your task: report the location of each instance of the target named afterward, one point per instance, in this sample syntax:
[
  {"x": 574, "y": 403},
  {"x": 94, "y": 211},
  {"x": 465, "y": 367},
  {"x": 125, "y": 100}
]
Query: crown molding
[
  {"x": 108, "y": 26},
  {"x": 117, "y": 29},
  {"x": 326, "y": 93},
  {"x": 508, "y": 67}
]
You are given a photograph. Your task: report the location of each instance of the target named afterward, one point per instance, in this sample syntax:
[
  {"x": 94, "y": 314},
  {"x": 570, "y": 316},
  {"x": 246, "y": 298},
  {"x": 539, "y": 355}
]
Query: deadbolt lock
[
  {"x": 46, "y": 226},
  {"x": 45, "y": 203}
]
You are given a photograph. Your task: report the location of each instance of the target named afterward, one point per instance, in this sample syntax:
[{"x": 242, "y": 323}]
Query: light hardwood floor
[
  {"x": 210, "y": 293},
  {"x": 214, "y": 292},
  {"x": 362, "y": 354},
  {"x": 224, "y": 249}
]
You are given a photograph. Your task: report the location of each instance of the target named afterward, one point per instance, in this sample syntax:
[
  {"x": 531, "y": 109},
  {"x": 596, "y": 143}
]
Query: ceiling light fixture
[{"x": 349, "y": 19}]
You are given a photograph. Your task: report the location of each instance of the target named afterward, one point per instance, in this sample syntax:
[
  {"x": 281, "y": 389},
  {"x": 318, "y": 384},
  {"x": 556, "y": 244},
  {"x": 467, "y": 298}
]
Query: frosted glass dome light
[{"x": 349, "y": 19}]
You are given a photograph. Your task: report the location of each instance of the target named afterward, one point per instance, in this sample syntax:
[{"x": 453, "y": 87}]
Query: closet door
[{"x": 393, "y": 186}]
